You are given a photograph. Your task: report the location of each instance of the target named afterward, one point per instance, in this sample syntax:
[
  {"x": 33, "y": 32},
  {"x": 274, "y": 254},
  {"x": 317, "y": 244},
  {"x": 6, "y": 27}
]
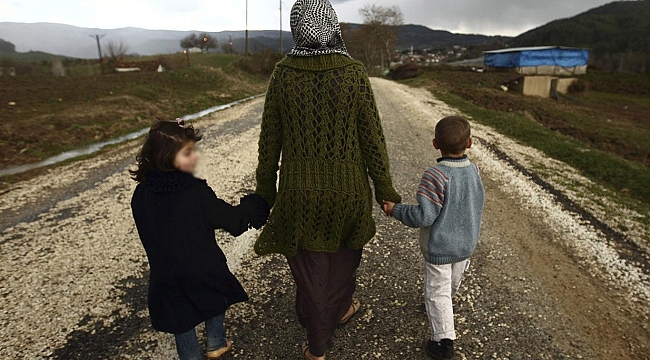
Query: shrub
[
  {"x": 406, "y": 71},
  {"x": 261, "y": 63},
  {"x": 173, "y": 61}
]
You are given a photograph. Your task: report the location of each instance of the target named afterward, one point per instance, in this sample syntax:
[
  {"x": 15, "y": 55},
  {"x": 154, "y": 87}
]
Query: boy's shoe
[
  {"x": 217, "y": 354},
  {"x": 443, "y": 350}
]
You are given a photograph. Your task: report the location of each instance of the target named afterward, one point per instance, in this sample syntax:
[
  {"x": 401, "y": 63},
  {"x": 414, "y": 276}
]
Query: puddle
[{"x": 90, "y": 149}]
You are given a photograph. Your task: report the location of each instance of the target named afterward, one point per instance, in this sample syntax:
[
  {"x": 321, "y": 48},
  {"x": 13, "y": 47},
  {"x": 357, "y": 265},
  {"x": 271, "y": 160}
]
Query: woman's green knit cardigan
[{"x": 320, "y": 114}]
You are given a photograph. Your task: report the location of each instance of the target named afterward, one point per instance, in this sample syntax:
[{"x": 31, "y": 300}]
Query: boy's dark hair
[
  {"x": 452, "y": 134},
  {"x": 164, "y": 141}
]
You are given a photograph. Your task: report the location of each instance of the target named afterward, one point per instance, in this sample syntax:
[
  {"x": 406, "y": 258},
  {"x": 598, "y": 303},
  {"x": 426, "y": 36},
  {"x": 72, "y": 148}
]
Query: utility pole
[
  {"x": 281, "y": 35},
  {"x": 99, "y": 50},
  {"x": 246, "y": 52}
]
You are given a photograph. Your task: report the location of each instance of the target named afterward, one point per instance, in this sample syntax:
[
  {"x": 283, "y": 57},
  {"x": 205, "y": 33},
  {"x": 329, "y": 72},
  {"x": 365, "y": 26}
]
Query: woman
[{"x": 320, "y": 114}]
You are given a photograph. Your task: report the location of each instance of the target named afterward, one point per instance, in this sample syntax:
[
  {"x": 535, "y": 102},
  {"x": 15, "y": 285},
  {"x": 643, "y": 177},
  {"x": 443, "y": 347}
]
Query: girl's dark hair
[{"x": 164, "y": 141}]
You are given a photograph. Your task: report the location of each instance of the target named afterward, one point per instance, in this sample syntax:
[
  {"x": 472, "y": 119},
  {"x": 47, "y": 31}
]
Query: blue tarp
[{"x": 552, "y": 56}]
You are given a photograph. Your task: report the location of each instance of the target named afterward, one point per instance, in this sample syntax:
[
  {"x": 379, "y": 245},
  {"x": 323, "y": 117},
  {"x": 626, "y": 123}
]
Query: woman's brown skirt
[{"x": 325, "y": 284}]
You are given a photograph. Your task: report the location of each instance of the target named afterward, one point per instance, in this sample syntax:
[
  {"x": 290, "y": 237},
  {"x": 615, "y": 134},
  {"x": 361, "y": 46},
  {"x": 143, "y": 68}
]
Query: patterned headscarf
[{"x": 316, "y": 29}]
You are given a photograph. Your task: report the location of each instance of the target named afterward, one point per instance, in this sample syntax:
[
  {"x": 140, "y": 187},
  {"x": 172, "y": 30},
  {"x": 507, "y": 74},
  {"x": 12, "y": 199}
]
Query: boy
[{"x": 450, "y": 206}]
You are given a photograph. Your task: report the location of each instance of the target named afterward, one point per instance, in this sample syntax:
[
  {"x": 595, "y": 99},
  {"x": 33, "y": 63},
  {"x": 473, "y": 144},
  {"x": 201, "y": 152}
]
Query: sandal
[
  {"x": 305, "y": 351},
  {"x": 217, "y": 354},
  {"x": 356, "y": 305}
]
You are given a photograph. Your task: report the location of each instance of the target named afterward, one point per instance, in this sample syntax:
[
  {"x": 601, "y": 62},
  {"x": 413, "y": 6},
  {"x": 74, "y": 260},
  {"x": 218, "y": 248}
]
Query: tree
[
  {"x": 6, "y": 46},
  {"x": 208, "y": 41},
  {"x": 376, "y": 39},
  {"x": 203, "y": 41},
  {"x": 190, "y": 41},
  {"x": 117, "y": 50},
  {"x": 383, "y": 22}
]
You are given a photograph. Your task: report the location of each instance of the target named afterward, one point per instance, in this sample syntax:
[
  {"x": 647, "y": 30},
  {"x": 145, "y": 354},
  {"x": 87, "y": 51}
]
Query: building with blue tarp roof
[{"x": 541, "y": 60}]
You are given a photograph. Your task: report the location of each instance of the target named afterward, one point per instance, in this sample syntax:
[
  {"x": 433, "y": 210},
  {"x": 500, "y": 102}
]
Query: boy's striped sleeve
[
  {"x": 433, "y": 185},
  {"x": 430, "y": 196}
]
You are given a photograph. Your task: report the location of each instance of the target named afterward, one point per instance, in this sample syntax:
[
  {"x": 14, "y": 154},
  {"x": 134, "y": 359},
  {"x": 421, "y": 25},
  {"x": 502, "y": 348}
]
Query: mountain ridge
[{"x": 75, "y": 41}]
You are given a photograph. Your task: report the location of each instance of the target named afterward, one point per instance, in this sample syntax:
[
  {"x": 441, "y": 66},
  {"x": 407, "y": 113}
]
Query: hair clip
[{"x": 180, "y": 122}]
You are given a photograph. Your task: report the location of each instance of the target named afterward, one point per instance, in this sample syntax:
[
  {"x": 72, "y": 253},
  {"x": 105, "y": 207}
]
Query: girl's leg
[
  {"x": 215, "y": 333},
  {"x": 188, "y": 347}
]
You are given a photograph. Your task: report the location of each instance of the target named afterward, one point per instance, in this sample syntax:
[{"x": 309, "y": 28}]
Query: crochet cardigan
[{"x": 320, "y": 115}]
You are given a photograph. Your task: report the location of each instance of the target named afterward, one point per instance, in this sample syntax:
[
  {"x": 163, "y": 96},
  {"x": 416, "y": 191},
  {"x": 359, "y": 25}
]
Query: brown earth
[
  {"x": 613, "y": 115},
  {"x": 41, "y": 116}
]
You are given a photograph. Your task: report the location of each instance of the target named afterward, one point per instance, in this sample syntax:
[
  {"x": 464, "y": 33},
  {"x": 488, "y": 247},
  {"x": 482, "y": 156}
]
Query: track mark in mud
[{"x": 627, "y": 249}]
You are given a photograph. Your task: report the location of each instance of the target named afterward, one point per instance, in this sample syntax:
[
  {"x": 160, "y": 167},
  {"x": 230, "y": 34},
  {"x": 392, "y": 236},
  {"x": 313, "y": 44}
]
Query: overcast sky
[{"x": 505, "y": 17}]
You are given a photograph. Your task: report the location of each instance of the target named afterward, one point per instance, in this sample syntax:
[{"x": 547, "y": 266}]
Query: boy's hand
[{"x": 388, "y": 208}]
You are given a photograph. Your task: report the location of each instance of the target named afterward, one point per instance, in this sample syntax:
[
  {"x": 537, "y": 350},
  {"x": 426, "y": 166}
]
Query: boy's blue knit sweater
[{"x": 450, "y": 207}]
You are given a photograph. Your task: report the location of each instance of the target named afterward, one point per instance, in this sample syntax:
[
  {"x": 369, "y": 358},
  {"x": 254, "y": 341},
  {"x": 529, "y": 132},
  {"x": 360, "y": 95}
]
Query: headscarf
[{"x": 316, "y": 29}]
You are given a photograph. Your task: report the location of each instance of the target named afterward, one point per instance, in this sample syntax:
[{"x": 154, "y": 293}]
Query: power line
[
  {"x": 246, "y": 27},
  {"x": 99, "y": 50}
]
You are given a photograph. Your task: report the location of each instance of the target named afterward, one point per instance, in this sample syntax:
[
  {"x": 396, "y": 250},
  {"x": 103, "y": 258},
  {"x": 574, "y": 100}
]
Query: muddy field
[
  {"x": 551, "y": 278},
  {"x": 41, "y": 116},
  {"x": 611, "y": 114}
]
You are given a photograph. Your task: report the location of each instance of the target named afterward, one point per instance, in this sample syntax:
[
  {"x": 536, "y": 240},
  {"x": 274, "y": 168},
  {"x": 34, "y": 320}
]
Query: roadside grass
[
  {"x": 52, "y": 115},
  {"x": 612, "y": 116},
  {"x": 630, "y": 180}
]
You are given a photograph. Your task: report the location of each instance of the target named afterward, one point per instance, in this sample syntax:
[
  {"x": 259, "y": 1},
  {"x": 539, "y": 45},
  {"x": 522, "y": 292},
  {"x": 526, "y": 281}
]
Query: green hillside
[
  {"x": 618, "y": 34},
  {"x": 30, "y": 57}
]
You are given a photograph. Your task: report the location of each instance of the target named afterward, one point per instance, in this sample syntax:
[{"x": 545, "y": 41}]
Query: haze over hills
[
  {"x": 72, "y": 41},
  {"x": 618, "y": 34},
  {"x": 75, "y": 41}
]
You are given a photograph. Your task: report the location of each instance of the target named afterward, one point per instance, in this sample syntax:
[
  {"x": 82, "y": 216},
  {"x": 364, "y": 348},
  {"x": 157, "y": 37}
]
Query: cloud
[
  {"x": 506, "y": 17},
  {"x": 478, "y": 16}
]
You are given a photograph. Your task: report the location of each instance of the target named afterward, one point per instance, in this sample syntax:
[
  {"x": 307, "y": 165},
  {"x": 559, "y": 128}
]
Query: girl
[{"x": 176, "y": 215}]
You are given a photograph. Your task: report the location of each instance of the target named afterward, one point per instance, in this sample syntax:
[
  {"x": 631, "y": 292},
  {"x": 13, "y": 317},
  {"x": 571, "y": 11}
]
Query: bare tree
[
  {"x": 207, "y": 41},
  {"x": 382, "y": 24},
  {"x": 117, "y": 50},
  {"x": 190, "y": 41},
  {"x": 203, "y": 41},
  {"x": 375, "y": 41}
]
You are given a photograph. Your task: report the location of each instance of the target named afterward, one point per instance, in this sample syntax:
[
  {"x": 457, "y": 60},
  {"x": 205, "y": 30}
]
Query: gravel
[{"x": 543, "y": 283}]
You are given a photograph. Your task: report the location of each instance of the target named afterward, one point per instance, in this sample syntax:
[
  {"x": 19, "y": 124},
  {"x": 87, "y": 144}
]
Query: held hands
[
  {"x": 258, "y": 210},
  {"x": 388, "y": 208}
]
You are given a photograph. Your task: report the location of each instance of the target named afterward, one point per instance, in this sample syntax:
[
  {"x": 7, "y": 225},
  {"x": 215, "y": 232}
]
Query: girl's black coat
[{"x": 176, "y": 215}]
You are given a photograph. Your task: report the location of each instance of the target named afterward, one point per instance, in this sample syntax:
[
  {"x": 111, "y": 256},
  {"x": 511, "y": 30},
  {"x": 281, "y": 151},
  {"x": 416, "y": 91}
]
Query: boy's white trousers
[{"x": 441, "y": 282}]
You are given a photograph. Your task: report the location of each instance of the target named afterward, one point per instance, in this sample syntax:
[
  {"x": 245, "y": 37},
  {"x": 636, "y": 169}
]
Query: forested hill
[
  {"x": 618, "y": 30},
  {"x": 422, "y": 37}
]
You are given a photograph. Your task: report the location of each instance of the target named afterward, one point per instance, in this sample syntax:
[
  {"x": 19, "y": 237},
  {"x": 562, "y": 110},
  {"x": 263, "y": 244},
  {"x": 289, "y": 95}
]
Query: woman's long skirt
[{"x": 325, "y": 284}]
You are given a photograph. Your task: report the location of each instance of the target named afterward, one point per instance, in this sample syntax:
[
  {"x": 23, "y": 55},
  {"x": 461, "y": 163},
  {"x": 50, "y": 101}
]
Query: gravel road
[{"x": 548, "y": 280}]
